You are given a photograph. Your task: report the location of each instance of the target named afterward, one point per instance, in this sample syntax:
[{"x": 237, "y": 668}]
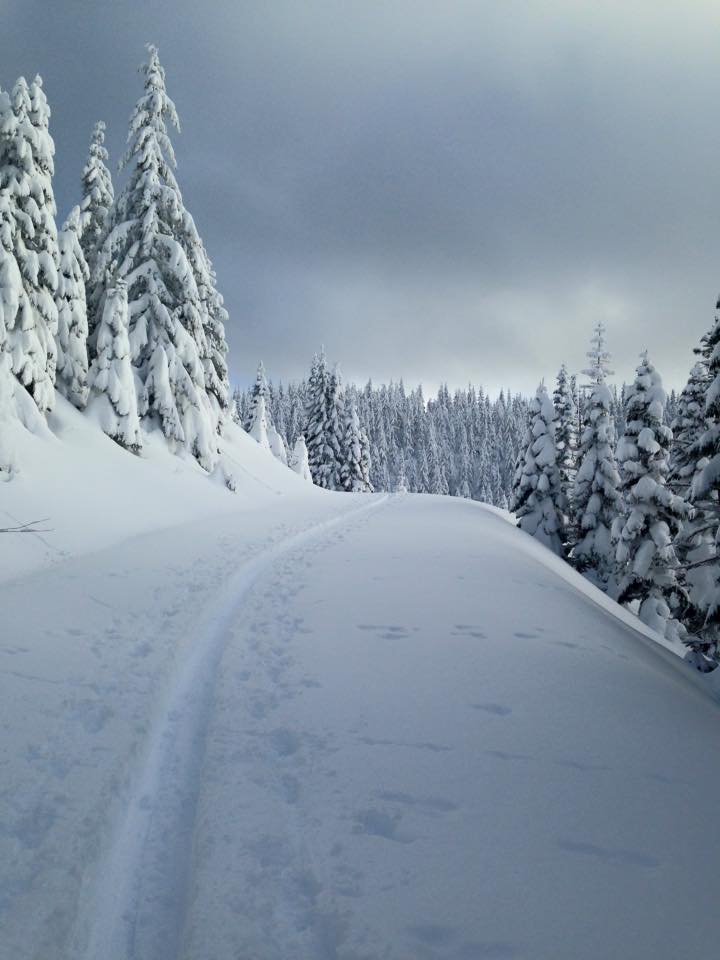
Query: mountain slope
[{"x": 348, "y": 727}]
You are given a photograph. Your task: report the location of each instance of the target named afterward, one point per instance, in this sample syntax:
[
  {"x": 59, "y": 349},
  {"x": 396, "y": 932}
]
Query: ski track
[{"x": 139, "y": 906}]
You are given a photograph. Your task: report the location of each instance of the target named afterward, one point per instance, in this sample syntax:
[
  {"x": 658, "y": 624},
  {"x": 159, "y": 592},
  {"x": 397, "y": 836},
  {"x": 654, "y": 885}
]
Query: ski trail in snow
[{"x": 137, "y": 911}]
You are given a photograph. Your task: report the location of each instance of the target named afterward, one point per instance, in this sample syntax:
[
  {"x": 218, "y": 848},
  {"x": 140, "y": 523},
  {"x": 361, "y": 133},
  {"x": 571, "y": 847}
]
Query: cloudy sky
[{"x": 434, "y": 190}]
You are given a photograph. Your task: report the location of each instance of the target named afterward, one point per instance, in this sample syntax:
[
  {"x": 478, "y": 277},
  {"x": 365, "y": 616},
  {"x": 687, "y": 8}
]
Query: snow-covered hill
[
  {"x": 91, "y": 493},
  {"x": 284, "y": 724}
]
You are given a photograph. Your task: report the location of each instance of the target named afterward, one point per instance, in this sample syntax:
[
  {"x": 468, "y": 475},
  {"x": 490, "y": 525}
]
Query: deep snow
[{"x": 290, "y": 724}]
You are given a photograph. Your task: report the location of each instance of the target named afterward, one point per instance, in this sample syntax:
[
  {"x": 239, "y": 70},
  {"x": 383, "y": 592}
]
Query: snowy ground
[{"x": 325, "y": 727}]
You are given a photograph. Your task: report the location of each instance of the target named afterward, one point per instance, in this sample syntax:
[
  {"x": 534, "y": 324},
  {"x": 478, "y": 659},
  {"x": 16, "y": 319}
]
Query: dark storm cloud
[{"x": 434, "y": 190}]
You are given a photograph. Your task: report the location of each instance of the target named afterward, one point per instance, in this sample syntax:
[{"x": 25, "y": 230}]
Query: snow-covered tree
[
  {"x": 72, "y": 334},
  {"x": 703, "y": 460},
  {"x": 277, "y": 445},
  {"x": 687, "y": 427},
  {"x": 355, "y": 468},
  {"x": 13, "y": 303},
  {"x": 324, "y": 434},
  {"x": 26, "y": 170},
  {"x": 259, "y": 426},
  {"x": 95, "y": 206},
  {"x": 260, "y": 389},
  {"x": 565, "y": 440},
  {"x": 652, "y": 514},
  {"x": 596, "y": 497},
  {"x": 113, "y": 399},
  {"x": 153, "y": 244},
  {"x": 299, "y": 460},
  {"x": 537, "y": 492}
]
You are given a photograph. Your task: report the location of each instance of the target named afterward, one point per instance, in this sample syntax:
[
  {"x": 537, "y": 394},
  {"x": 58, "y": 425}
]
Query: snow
[
  {"x": 288, "y": 723},
  {"x": 94, "y": 494}
]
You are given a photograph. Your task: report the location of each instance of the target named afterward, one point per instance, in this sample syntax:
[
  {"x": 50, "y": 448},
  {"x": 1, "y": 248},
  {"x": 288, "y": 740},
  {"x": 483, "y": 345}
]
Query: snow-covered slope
[
  {"x": 332, "y": 727},
  {"x": 91, "y": 493}
]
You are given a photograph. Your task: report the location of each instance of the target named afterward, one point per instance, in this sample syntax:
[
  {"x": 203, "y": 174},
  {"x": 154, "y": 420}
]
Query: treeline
[
  {"x": 634, "y": 509},
  {"x": 464, "y": 444},
  {"x": 117, "y": 309}
]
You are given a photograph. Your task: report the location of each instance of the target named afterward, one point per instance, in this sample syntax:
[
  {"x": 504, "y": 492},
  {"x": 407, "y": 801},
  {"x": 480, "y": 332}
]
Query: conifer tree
[
  {"x": 299, "y": 461},
  {"x": 26, "y": 170},
  {"x": 566, "y": 443},
  {"x": 259, "y": 389},
  {"x": 277, "y": 445},
  {"x": 596, "y": 497},
  {"x": 695, "y": 545},
  {"x": 687, "y": 427},
  {"x": 153, "y": 244},
  {"x": 324, "y": 435},
  {"x": 703, "y": 461},
  {"x": 95, "y": 207},
  {"x": 537, "y": 492},
  {"x": 13, "y": 304},
  {"x": 259, "y": 426},
  {"x": 652, "y": 513},
  {"x": 112, "y": 384},
  {"x": 72, "y": 335},
  {"x": 354, "y": 471}
]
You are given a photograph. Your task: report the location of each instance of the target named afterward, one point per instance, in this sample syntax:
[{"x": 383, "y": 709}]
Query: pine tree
[
  {"x": 112, "y": 384},
  {"x": 259, "y": 426},
  {"x": 260, "y": 389},
  {"x": 537, "y": 492},
  {"x": 695, "y": 545},
  {"x": 26, "y": 170},
  {"x": 95, "y": 207},
  {"x": 324, "y": 435},
  {"x": 596, "y": 498},
  {"x": 72, "y": 335},
  {"x": 277, "y": 445},
  {"x": 703, "y": 456},
  {"x": 153, "y": 244},
  {"x": 299, "y": 461},
  {"x": 13, "y": 304},
  {"x": 687, "y": 427},
  {"x": 652, "y": 514},
  {"x": 566, "y": 444},
  {"x": 354, "y": 471}
]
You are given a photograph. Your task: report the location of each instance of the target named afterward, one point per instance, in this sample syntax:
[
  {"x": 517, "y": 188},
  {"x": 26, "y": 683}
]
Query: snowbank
[{"x": 90, "y": 493}]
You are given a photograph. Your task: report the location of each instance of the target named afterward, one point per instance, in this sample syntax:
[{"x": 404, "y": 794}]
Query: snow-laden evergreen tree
[
  {"x": 113, "y": 398},
  {"x": 596, "y": 497},
  {"x": 687, "y": 427},
  {"x": 703, "y": 460},
  {"x": 277, "y": 445},
  {"x": 95, "y": 207},
  {"x": 72, "y": 334},
  {"x": 153, "y": 244},
  {"x": 566, "y": 443},
  {"x": 652, "y": 514},
  {"x": 260, "y": 389},
  {"x": 13, "y": 304},
  {"x": 695, "y": 544},
  {"x": 324, "y": 433},
  {"x": 26, "y": 170},
  {"x": 537, "y": 492},
  {"x": 299, "y": 460},
  {"x": 259, "y": 426},
  {"x": 354, "y": 471}
]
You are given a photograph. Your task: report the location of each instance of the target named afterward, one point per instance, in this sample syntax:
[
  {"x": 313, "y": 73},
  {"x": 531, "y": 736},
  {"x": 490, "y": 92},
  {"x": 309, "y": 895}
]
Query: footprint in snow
[
  {"x": 614, "y": 855},
  {"x": 497, "y": 709}
]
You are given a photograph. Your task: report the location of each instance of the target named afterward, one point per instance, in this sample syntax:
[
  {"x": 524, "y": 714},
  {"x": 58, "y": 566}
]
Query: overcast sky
[{"x": 434, "y": 190}]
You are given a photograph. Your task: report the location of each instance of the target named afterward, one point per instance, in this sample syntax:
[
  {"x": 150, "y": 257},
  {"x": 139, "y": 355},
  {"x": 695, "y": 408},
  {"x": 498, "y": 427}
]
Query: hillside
[{"x": 285, "y": 723}]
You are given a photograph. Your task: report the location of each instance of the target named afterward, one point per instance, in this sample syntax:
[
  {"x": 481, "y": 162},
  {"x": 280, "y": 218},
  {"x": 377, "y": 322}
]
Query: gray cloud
[{"x": 440, "y": 191}]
